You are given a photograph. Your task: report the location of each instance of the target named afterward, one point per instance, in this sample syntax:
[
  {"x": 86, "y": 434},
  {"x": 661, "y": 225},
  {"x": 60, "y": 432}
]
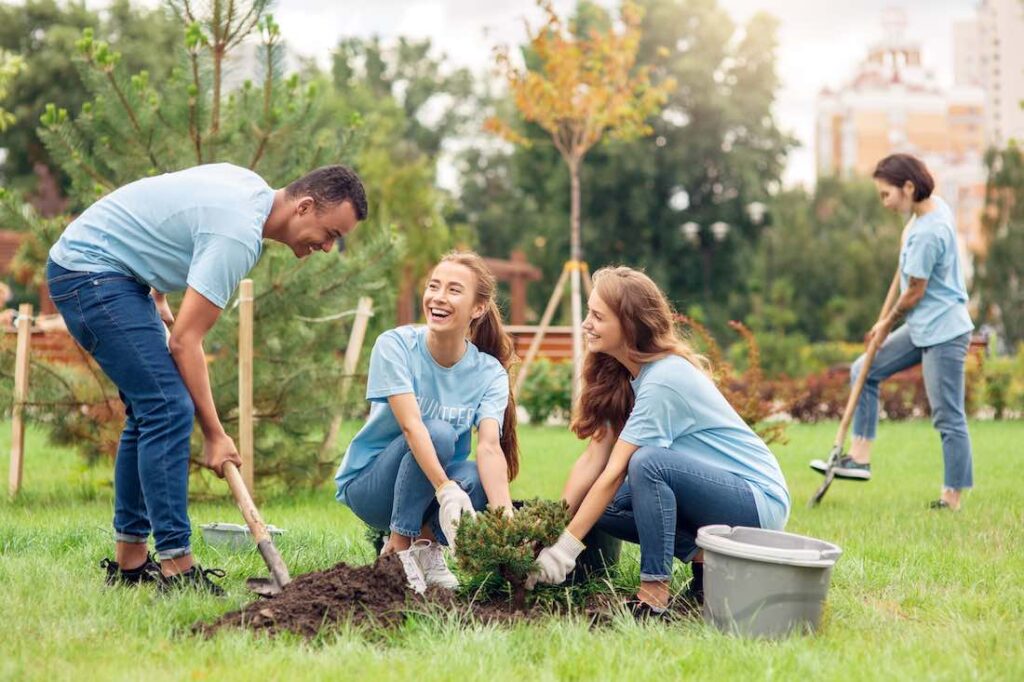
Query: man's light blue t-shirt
[
  {"x": 679, "y": 408},
  {"x": 473, "y": 389},
  {"x": 200, "y": 228},
  {"x": 930, "y": 252}
]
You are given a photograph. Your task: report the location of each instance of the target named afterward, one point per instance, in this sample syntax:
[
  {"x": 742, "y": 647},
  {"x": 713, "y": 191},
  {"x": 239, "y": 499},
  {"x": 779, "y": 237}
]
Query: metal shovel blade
[
  {"x": 830, "y": 474},
  {"x": 264, "y": 587}
]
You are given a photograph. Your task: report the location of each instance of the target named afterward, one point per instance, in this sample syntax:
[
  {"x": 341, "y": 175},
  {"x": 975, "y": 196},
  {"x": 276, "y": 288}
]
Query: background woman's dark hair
[
  {"x": 330, "y": 186},
  {"x": 897, "y": 169}
]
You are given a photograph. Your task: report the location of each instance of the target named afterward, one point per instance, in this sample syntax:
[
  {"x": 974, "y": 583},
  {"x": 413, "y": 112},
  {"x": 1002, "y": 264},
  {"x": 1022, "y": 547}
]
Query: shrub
[
  {"x": 493, "y": 544},
  {"x": 819, "y": 396},
  {"x": 547, "y": 390},
  {"x": 780, "y": 354},
  {"x": 753, "y": 398},
  {"x": 1002, "y": 384},
  {"x": 818, "y": 357}
]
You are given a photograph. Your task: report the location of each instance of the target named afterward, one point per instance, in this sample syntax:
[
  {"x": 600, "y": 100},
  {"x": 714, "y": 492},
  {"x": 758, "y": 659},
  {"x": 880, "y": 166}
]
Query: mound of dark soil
[{"x": 377, "y": 595}]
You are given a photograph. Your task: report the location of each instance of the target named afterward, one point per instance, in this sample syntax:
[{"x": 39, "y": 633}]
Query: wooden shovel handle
[
  {"x": 869, "y": 356},
  {"x": 245, "y": 503}
]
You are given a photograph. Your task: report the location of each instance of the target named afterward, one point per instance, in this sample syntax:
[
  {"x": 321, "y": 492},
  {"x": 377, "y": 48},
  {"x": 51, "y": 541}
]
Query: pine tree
[
  {"x": 10, "y": 66},
  {"x": 494, "y": 544},
  {"x": 134, "y": 127}
]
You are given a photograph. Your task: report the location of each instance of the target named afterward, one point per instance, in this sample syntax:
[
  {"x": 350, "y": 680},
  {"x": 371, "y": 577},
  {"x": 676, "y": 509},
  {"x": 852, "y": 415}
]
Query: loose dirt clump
[{"x": 374, "y": 595}]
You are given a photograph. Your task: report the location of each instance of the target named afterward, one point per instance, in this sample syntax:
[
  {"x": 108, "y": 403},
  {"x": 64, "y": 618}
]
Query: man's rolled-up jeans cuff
[
  {"x": 655, "y": 578},
  {"x": 176, "y": 553},
  {"x": 130, "y": 539}
]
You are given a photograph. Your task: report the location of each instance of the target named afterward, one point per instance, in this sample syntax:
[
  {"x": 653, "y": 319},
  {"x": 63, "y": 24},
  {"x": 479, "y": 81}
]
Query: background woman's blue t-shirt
[
  {"x": 473, "y": 389},
  {"x": 679, "y": 408},
  {"x": 930, "y": 252}
]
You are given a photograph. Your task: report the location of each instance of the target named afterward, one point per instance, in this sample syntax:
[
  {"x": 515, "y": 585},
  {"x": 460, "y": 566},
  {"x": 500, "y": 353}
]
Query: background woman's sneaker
[
  {"x": 846, "y": 467},
  {"x": 148, "y": 572},
  {"x": 430, "y": 557}
]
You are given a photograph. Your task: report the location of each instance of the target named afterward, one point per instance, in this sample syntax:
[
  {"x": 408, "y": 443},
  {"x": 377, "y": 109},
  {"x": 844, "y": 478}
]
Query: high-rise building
[
  {"x": 967, "y": 53},
  {"x": 998, "y": 48},
  {"x": 893, "y": 103}
]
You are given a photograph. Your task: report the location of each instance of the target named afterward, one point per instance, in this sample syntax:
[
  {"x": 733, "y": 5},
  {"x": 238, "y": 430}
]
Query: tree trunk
[
  {"x": 518, "y": 585},
  {"x": 404, "y": 309},
  {"x": 218, "y": 66},
  {"x": 575, "y": 248},
  {"x": 576, "y": 258}
]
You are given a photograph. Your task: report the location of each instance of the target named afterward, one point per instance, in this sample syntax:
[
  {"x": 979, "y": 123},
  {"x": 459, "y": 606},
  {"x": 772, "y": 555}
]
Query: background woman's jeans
[
  {"x": 113, "y": 317},
  {"x": 393, "y": 492},
  {"x": 943, "y": 368},
  {"x": 665, "y": 498}
]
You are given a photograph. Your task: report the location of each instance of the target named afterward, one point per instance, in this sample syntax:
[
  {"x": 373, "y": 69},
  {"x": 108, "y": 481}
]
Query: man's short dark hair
[
  {"x": 897, "y": 169},
  {"x": 330, "y": 186}
]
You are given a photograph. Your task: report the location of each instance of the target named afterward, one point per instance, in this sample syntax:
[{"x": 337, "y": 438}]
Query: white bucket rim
[{"x": 715, "y": 539}]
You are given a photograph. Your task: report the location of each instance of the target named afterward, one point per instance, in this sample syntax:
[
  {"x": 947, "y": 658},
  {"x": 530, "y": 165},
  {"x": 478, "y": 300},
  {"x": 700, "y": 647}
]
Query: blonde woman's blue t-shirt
[
  {"x": 677, "y": 407},
  {"x": 201, "y": 227},
  {"x": 473, "y": 389},
  {"x": 930, "y": 252}
]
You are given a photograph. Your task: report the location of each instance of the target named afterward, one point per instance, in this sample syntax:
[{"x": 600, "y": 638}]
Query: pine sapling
[{"x": 495, "y": 544}]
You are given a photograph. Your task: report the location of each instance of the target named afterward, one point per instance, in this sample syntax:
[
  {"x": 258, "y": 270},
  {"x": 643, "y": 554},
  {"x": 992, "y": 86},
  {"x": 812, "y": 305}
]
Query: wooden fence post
[
  {"x": 245, "y": 416},
  {"x": 20, "y": 396}
]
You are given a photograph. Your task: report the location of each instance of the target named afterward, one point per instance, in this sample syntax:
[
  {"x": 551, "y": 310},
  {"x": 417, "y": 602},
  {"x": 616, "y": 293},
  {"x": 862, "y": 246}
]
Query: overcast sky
[{"x": 820, "y": 41}]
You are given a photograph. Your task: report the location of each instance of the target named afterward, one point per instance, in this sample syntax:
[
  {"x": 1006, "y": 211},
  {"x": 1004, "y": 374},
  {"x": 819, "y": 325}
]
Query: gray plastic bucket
[
  {"x": 232, "y": 535},
  {"x": 764, "y": 583}
]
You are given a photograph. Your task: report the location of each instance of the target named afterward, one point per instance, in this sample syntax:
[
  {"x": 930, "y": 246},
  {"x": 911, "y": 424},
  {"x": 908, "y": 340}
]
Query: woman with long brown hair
[
  {"x": 429, "y": 386},
  {"x": 667, "y": 453}
]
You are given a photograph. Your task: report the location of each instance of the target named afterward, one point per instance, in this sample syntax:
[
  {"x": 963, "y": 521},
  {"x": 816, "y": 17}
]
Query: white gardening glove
[
  {"x": 453, "y": 501},
  {"x": 555, "y": 562}
]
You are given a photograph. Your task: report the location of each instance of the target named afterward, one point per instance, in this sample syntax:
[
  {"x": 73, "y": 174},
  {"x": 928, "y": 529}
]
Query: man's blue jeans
[
  {"x": 943, "y": 368},
  {"x": 113, "y": 317},
  {"x": 393, "y": 492},
  {"x": 665, "y": 499}
]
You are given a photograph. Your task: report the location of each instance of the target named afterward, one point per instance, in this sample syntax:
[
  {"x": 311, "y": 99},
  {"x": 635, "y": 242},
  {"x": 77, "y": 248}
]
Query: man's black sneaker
[
  {"x": 148, "y": 572},
  {"x": 846, "y": 467},
  {"x": 197, "y": 578}
]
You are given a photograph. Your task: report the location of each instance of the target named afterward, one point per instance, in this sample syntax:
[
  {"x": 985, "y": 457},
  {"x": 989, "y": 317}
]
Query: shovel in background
[
  {"x": 265, "y": 587},
  {"x": 851, "y": 403}
]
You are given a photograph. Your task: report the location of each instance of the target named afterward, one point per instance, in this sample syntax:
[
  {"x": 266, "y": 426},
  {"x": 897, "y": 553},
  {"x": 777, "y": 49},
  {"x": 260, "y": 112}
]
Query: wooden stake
[
  {"x": 538, "y": 336},
  {"x": 364, "y": 311},
  {"x": 20, "y": 396},
  {"x": 588, "y": 282},
  {"x": 245, "y": 426}
]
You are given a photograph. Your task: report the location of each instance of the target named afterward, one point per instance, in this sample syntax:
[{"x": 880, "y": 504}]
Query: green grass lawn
[{"x": 917, "y": 594}]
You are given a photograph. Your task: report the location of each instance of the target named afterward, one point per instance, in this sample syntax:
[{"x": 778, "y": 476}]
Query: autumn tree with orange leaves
[{"x": 582, "y": 88}]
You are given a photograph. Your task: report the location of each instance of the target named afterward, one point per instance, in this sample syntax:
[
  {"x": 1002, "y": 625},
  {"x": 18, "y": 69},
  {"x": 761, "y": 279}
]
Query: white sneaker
[
  {"x": 430, "y": 557},
  {"x": 413, "y": 573}
]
